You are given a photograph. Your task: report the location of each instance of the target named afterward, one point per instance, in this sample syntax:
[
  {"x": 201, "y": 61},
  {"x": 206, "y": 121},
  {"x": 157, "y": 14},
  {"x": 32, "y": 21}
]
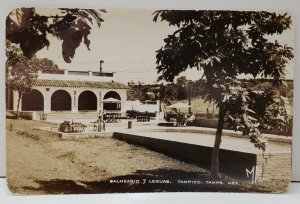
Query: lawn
[{"x": 39, "y": 162}]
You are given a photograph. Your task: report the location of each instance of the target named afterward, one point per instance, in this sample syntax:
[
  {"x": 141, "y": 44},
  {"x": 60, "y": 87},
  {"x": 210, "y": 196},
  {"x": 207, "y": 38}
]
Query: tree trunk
[
  {"x": 215, "y": 152},
  {"x": 18, "y": 106}
]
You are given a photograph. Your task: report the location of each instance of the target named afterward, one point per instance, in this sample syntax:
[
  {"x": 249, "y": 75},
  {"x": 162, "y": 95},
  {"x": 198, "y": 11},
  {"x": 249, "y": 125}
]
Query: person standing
[
  {"x": 103, "y": 120},
  {"x": 100, "y": 120}
]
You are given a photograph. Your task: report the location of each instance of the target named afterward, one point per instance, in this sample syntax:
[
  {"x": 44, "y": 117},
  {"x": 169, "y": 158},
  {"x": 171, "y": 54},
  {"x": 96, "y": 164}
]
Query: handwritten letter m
[{"x": 249, "y": 173}]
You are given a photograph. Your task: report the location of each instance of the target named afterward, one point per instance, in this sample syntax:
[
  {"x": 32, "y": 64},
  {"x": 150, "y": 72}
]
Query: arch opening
[
  {"x": 61, "y": 101},
  {"x": 87, "y": 101},
  {"x": 114, "y": 104},
  {"x": 33, "y": 101}
]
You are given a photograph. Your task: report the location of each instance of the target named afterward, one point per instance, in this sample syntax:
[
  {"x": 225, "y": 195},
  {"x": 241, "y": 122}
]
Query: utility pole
[{"x": 190, "y": 93}]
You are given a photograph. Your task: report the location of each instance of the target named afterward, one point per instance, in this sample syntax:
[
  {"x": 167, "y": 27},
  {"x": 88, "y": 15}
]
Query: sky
[{"x": 126, "y": 42}]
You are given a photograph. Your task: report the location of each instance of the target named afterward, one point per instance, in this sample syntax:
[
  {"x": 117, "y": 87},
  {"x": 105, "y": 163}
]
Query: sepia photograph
[{"x": 119, "y": 101}]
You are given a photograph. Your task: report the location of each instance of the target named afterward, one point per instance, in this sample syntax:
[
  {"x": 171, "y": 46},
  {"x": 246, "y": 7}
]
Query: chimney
[{"x": 101, "y": 62}]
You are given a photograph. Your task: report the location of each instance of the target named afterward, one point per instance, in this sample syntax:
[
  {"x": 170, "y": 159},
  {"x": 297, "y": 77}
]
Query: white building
[{"x": 71, "y": 91}]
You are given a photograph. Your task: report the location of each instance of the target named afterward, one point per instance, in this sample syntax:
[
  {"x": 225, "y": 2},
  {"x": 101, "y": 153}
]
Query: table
[
  {"x": 143, "y": 117},
  {"x": 112, "y": 117}
]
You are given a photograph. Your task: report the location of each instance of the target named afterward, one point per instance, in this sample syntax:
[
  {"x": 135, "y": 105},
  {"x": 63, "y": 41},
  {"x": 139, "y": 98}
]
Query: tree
[
  {"x": 226, "y": 45},
  {"x": 181, "y": 81},
  {"x": 18, "y": 76},
  {"x": 167, "y": 93},
  {"x": 137, "y": 91},
  {"x": 39, "y": 64},
  {"x": 20, "y": 80},
  {"x": 21, "y": 71},
  {"x": 182, "y": 90},
  {"x": 24, "y": 26}
]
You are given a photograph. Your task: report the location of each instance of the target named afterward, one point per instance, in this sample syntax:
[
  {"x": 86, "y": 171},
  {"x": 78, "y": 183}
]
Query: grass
[{"x": 39, "y": 162}]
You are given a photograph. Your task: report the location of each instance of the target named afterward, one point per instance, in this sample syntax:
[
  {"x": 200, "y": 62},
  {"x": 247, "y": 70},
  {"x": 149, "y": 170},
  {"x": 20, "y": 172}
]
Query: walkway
[
  {"x": 205, "y": 137},
  {"x": 228, "y": 143},
  {"x": 231, "y": 140}
]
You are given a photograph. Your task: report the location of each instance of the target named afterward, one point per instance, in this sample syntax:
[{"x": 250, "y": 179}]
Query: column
[
  {"x": 99, "y": 101},
  {"x": 123, "y": 95},
  {"x": 47, "y": 100},
  {"x": 74, "y": 101}
]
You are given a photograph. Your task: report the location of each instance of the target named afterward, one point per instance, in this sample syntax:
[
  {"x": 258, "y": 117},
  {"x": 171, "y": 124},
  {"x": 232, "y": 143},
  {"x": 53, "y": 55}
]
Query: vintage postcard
[{"x": 114, "y": 101}]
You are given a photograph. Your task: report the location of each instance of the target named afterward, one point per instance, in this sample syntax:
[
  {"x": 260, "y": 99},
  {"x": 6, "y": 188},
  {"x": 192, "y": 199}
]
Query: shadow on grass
[{"x": 158, "y": 180}]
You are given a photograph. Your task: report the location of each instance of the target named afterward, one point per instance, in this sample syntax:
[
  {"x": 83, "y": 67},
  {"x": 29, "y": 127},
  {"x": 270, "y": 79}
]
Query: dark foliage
[
  {"x": 225, "y": 45},
  {"x": 26, "y": 27}
]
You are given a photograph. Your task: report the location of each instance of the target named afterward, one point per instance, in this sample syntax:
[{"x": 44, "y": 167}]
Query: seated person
[
  {"x": 173, "y": 111},
  {"x": 189, "y": 119}
]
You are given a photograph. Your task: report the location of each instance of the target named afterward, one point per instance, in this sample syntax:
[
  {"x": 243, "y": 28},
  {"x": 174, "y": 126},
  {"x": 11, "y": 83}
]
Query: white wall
[{"x": 67, "y": 76}]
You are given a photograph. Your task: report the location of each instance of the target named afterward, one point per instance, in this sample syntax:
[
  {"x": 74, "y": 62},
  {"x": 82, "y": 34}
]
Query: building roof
[{"x": 79, "y": 84}]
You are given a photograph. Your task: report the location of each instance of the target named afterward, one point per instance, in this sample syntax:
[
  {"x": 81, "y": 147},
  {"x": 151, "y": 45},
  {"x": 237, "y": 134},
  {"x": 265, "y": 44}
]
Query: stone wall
[
  {"x": 273, "y": 166},
  {"x": 29, "y": 115},
  {"x": 233, "y": 163}
]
